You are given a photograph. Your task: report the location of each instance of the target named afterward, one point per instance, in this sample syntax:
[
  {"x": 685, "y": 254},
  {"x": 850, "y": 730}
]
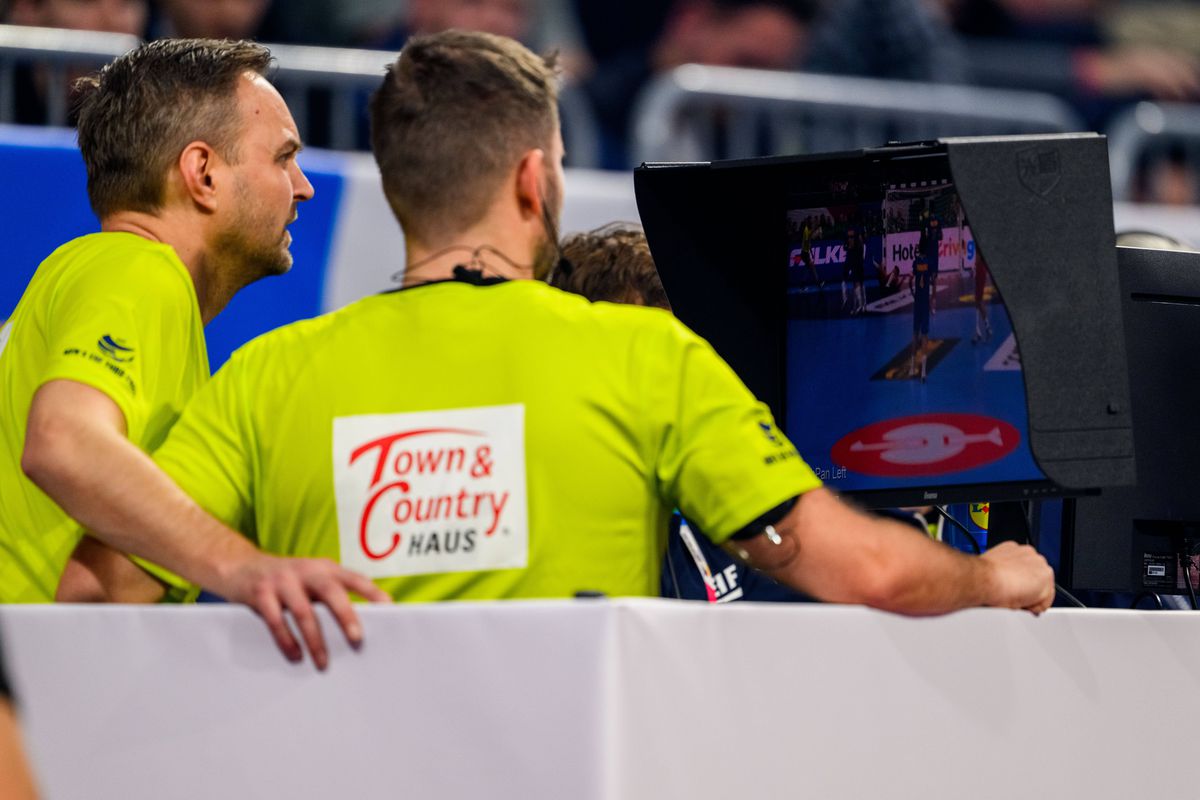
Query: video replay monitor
[
  {"x": 891, "y": 311},
  {"x": 917, "y": 316}
]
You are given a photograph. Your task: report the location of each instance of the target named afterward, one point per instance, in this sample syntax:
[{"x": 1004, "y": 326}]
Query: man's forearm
[
  {"x": 76, "y": 451},
  {"x": 117, "y": 492},
  {"x": 896, "y": 569},
  {"x": 837, "y": 553},
  {"x": 918, "y": 576}
]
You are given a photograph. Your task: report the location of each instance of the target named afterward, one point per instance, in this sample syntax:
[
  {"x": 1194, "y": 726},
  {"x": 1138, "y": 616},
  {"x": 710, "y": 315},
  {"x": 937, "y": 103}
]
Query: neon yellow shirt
[
  {"x": 461, "y": 441},
  {"x": 116, "y": 312}
]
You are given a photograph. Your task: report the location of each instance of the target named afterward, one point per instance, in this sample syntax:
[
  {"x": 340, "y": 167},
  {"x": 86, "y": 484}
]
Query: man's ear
[
  {"x": 531, "y": 177},
  {"x": 200, "y": 169}
]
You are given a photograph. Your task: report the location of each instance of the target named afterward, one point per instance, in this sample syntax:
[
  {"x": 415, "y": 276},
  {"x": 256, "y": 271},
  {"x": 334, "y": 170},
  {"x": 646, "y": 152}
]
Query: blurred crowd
[{"x": 1098, "y": 55}]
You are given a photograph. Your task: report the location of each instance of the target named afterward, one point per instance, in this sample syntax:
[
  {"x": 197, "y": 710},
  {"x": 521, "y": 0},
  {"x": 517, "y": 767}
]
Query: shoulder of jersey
[
  {"x": 298, "y": 338},
  {"x": 123, "y": 262}
]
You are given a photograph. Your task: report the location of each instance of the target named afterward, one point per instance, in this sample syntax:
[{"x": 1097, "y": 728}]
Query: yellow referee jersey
[
  {"x": 116, "y": 312},
  {"x": 462, "y": 441}
]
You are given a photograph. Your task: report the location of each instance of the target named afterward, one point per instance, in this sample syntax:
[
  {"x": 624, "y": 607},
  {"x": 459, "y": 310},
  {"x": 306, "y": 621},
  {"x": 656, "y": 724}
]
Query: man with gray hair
[{"x": 191, "y": 165}]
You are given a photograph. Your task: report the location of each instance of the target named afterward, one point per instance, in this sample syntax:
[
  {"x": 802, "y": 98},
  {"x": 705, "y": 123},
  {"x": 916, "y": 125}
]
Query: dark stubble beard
[{"x": 243, "y": 250}]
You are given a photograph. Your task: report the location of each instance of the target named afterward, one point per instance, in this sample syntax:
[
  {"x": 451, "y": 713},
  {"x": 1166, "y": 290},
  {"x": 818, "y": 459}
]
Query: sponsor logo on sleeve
[
  {"x": 114, "y": 349},
  {"x": 769, "y": 431},
  {"x": 780, "y": 449},
  {"x": 114, "y": 356},
  {"x": 5, "y": 333},
  {"x": 432, "y": 491}
]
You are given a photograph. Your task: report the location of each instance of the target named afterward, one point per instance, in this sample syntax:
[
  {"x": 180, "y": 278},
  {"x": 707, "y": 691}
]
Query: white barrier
[{"x": 611, "y": 699}]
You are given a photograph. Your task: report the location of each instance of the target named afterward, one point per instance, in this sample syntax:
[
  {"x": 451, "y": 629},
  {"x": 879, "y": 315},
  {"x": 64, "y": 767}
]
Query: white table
[{"x": 612, "y": 699}]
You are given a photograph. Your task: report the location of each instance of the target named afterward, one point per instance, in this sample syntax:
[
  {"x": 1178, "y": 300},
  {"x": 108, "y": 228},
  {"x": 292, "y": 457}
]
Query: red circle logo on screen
[{"x": 926, "y": 444}]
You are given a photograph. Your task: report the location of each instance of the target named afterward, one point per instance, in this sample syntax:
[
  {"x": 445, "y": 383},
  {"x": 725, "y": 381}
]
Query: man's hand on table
[
  {"x": 271, "y": 585},
  {"x": 1020, "y": 577}
]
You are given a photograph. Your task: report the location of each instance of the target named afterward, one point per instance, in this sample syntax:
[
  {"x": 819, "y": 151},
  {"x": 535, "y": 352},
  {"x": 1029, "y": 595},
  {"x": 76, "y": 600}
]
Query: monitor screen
[
  {"x": 902, "y": 370},
  {"x": 870, "y": 299}
]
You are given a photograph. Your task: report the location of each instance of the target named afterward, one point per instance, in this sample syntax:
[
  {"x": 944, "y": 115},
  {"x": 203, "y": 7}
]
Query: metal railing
[
  {"x": 699, "y": 112},
  {"x": 58, "y": 53},
  {"x": 1148, "y": 133},
  {"x": 326, "y": 88}
]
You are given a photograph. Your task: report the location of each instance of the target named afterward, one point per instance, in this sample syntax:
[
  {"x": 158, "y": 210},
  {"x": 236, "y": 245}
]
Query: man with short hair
[
  {"x": 479, "y": 434},
  {"x": 191, "y": 164},
  {"x": 612, "y": 263}
]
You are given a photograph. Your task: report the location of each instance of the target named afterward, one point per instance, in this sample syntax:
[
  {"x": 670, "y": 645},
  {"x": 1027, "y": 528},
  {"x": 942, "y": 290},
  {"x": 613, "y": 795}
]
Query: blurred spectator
[
  {"x": 1169, "y": 24},
  {"x": 1083, "y": 50},
  {"x": 209, "y": 19},
  {"x": 879, "y": 38},
  {"x": 611, "y": 28},
  {"x": 767, "y": 34},
  {"x": 511, "y": 18},
  {"x": 1164, "y": 37},
  {"x": 540, "y": 24},
  {"x": 898, "y": 39},
  {"x": 313, "y": 22},
  {"x": 30, "y": 85},
  {"x": 113, "y": 16},
  {"x": 1167, "y": 179},
  {"x": 545, "y": 25}
]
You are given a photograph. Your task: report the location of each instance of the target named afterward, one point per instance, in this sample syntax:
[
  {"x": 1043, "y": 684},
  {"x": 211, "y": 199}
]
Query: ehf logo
[{"x": 926, "y": 445}]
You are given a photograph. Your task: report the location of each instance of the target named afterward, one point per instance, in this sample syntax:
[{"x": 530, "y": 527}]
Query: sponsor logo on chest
[{"x": 431, "y": 491}]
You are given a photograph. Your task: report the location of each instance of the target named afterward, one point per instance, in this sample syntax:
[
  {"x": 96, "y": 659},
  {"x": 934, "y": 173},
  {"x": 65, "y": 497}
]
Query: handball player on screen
[
  {"x": 922, "y": 288},
  {"x": 191, "y": 164},
  {"x": 477, "y": 433}
]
